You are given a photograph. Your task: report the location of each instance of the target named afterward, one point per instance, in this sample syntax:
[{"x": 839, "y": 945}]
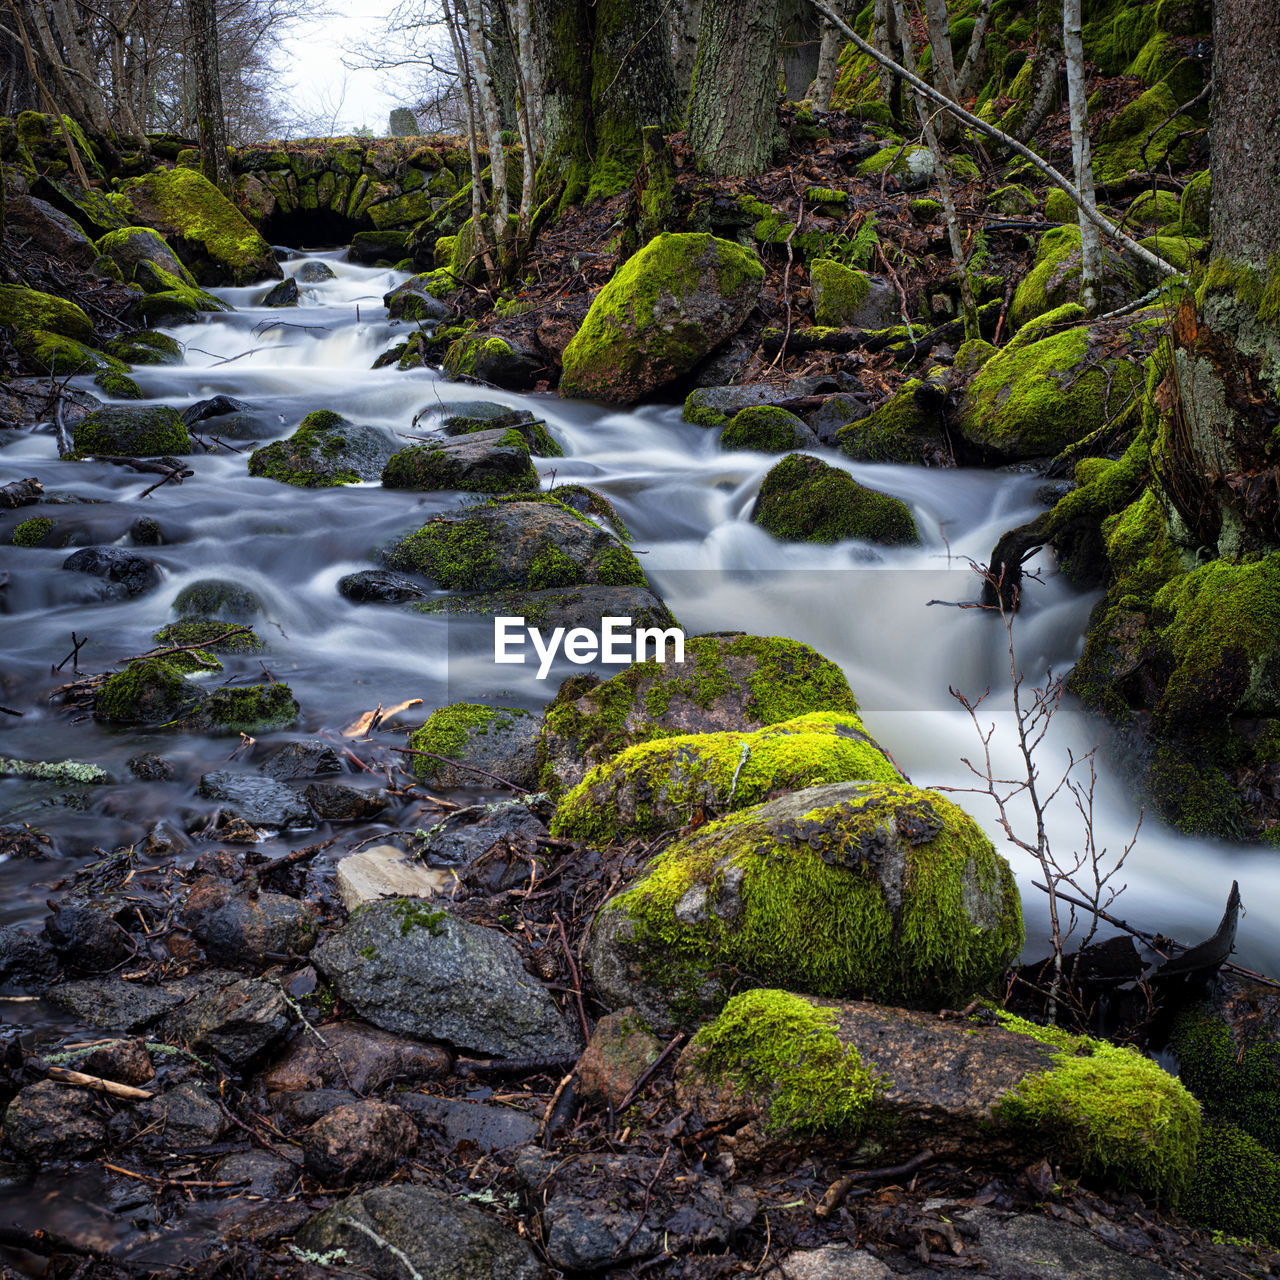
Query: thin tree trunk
[
  {"x": 1044, "y": 70},
  {"x": 884, "y": 35},
  {"x": 944, "y": 66},
  {"x": 973, "y": 57},
  {"x": 1090, "y": 241},
  {"x": 522, "y": 49},
  {"x": 685, "y": 17},
  {"x": 732, "y": 124},
  {"x": 488, "y": 110},
  {"x": 824, "y": 82},
  {"x": 942, "y": 176},
  {"x": 202, "y": 17},
  {"x": 454, "y": 22}
]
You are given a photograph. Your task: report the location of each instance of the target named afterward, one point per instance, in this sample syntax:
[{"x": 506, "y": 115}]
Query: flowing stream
[{"x": 687, "y": 505}]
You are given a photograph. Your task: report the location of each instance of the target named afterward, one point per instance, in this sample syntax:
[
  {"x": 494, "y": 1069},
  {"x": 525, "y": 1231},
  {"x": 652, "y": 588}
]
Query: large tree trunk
[
  {"x": 684, "y": 18},
  {"x": 202, "y": 19},
  {"x": 732, "y": 122}
]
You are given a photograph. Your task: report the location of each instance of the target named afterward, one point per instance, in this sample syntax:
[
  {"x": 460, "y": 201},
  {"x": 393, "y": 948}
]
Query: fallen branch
[
  {"x": 64, "y": 1075},
  {"x": 837, "y": 1191}
]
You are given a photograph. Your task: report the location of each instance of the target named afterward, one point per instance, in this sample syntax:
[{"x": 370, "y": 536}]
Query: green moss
[
  {"x": 766, "y": 430},
  {"x": 412, "y": 915},
  {"x": 254, "y": 708},
  {"x": 839, "y": 292},
  {"x": 1060, "y": 207},
  {"x": 1119, "y": 150},
  {"x": 661, "y": 784},
  {"x": 144, "y": 432},
  {"x": 1153, "y": 208},
  {"x": 897, "y": 430},
  {"x": 119, "y": 386},
  {"x": 802, "y": 499},
  {"x": 552, "y": 568},
  {"x": 147, "y": 691},
  {"x": 432, "y": 467},
  {"x": 217, "y": 598},
  {"x": 33, "y": 532},
  {"x": 1194, "y": 206},
  {"x": 796, "y": 902},
  {"x": 925, "y": 209},
  {"x": 913, "y": 166},
  {"x": 1013, "y": 199},
  {"x": 1053, "y": 280},
  {"x": 1235, "y": 1185},
  {"x": 63, "y": 357},
  {"x": 617, "y": 567},
  {"x": 458, "y": 554},
  {"x": 310, "y": 457},
  {"x": 29, "y": 310},
  {"x": 146, "y": 347},
  {"x": 580, "y": 497},
  {"x": 448, "y": 731},
  {"x": 971, "y": 356},
  {"x": 632, "y": 327},
  {"x": 778, "y": 1044},
  {"x": 1110, "y": 1111},
  {"x": 206, "y": 632}
]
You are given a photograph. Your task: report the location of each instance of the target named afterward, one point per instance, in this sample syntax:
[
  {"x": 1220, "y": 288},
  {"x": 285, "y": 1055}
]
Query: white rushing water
[{"x": 687, "y": 505}]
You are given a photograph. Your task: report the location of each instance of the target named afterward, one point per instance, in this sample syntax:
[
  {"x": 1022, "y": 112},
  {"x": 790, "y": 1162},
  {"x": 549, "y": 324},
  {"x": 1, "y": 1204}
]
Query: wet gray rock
[
  {"x": 643, "y": 1214},
  {"x": 324, "y": 451},
  {"x": 214, "y": 407},
  {"x": 285, "y": 294},
  {"x": 502, "y": 741},
  {"x": 309, "y": 758},
  {"x": 26, "y": 959},
  {"x": 185, "y": 1116},
  {"x": 358, "y": 1056},
  {"x": 242, "y": 928},
  {"x": 146, "y": 532},
  {"x": 337, "y": 802},
  {"x": 49, "y": 229},
  {"x": 300, "y": 1107},
  {"x": 150, "y": 767},
  {"x": 835, "y": 412},
  {"x": 261, "y": 1173},
  {"x": 315, "y": 273},
  {"x": 411, "y": 969},
  {"x": 494, "y": 461},
  {"x": 86, "y": 936},
  {"x": 566, "y": 607},
  {"x": 412, "y": 301},
  {"x": 469, "y": 834},
  {"x": 48, "y": 1121},
  {"x": 257, "y": 799},
  {"x": 126, "y": 1061},
  {"x": 359, "y": 1142},
  {"x": 236, "y": 1022},
  {"x": 380, "y": 586},
  {"x": 127, "y": 574},
  {"x": 486, "y": 1125},
  {"x": 443, "y": 1238},
  {"x": 218, "y": 598},
  {"x": 832, "y": 1262},
  {"x": 113, "y": 1004},
  {"x": 714, "y": 406}
]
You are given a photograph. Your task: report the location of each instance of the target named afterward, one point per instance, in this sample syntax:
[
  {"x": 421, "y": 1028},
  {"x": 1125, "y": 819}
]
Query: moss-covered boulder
[
  {"x": 218, "y": 598},
  {"x": 128, "y": 247},
  {"x": 665, "y": 308},
  {"x": 568, "y": 607},
  {"x": 372, "y": 247},
  {"x": 906, "y": 428},
  {"x": 207, "y": 232},
  {"x": 29, "y": 310},
  {"x": 494, "y": 461},
  {"x": 803, "y": 1075},
  {"x": 171, "y": 299},
  {"x": 253, "y": 708},
  {"x": 804, "y": 499},
  {"x": 669, "y": 783},
  {"x": 413, "y": 300},
  {"x": 326, "y": 450},
  {"x": 51, "y": 353},
  {"x": 869, "y": 889},
  {"x": 137, "y": 432},
  {"x": 1013, "y": 200},
  {"x": 1142, "y": 136},
  {"x": 1235, "y": 1185},
  {"x": 1046, "y": 389},
  {"x": 147, "y": 691},
  {"x": 911, "y": 166},
  {"x": 487, "y": 416},
  {"x": 846, "y": 297},
  {"x": 491, "y": 358},
  {"x": 39, "y": 531},
  {"x": 213, "y": 635},
  {"x": 1194, "y": 208},
  {"x": 764, "y": 429},
  {"x": 1055, "y": 277},
  {"x": 146, "y": 347},
  {"x": 468, "y": 744},
  {"x": 726, "y": 682},
  {"x": 517, "y": 544}
]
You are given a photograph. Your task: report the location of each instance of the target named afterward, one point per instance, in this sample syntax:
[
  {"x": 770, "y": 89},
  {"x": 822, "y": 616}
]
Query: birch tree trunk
[
  {"x": 944, "y": 67},
  {"x": 522, "y": 37},
  {"x": 454, "y": 21},
  {"x": 1090, "y": 240},
  {"x": 824, "y": 82},
  {"x": 487, "y": 108},
  {"x": 884, "y": 35},
  {"x": 202, "y": 19},
  {"x": 966, "y": 77},
  {"x": 1044, "y": 69}
]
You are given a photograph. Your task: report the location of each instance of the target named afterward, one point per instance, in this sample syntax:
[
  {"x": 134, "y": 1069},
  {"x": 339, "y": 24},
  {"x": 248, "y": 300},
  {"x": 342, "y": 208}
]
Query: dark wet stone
[
  {"x": 184, "y": 1116},
  {"x": 359, "y": 1142},
  {"x": 261, "y": 1173},
  {"x": 337, "y": 802},
  {"x": 835, "y": 412},
  {"x": 443, "y": 1238},
  {"x": 26, "y": 959},
  {"x": 214, "y": 407},
  {"x": 469, "y": 834},
  {"x": 566, "y": 607},
  {"x": 150, "y": 767},
  {"x": 648, "y": 1209},
  {"x": 297, "y": 1107},
  {"x": 310, "y": 758},
  {"x": 113, "y": 1004},
  {"x": 218, "y": 598},
  {"x": 315, "y": 273},
  {"x": 146, "y": 532},
  {"x": 285, "y": 294},
  {"x": 411, "y": 301},
  {"x": 128, "y": 574},
  {"x": 357, "y": 1056},
  {"x": 409, "y": 968},
  {"x": 242, "y": 928},
  {"x": 236, "y": 1022},
  {"x": 620, "y": 1051},
  {"x": 257, "y": 799},
  {"x": 86, "y": 936},
  {"x": 126, "y": 1061},
  {"x": 48, "y": 1121},
  {"x": 491, "y": 461},
  {"x": 380, "y": 586},
  {"x": 486, "y": 1125}
]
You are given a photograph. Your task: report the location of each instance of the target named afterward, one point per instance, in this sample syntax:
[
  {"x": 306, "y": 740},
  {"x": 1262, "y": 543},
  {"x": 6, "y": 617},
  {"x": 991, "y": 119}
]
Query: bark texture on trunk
[
  {"x": 732, "y": 122},
  {"x": 1090, "y": 240},
  {"x": 684, "y": 17},
  {"x": 202, "y": 20}
]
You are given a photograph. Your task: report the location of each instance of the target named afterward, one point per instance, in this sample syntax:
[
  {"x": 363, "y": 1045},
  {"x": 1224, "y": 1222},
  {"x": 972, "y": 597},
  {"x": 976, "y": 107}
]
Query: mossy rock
[
  {"x": 129, "y": 247},
  {"x": 494, "y": 461},
  {"x": 39, "y": 531},
  {"x": 1121, "y": 140},
  {"x": 1060, "y": 207},
  {"x": 669, "y": 783},
  {"x": 1055, "y": 278},
  {"x": 207, "y": 232},
  {"x": 119, "y": 386},
  {"x": 765, "y": 429},
  {"x": 665, "y": 308},
  {"x": 1235, "y": 1185},
  {"x": 415, "y": 300},
  {"x": 254, "y": 708},
  {"x": 907, "y": 428},
  {"x": 803, "y": 499},
  {"x": 869, "y": 889},
  {"x": 493, "y": 359},
  {"x": 1014, "y": 200},
  {"x": 912, "y": 166},
  {"x": 372, "y": 247},
  {"x": 1153, "y": 209},
  {"x": 218, "y": 598},
  {"x": 568, "y": 607},
  {"x": 326, "y": 450},
  {"x": 143, "y": 432},
  {"x": 727, "y": 682},
  {"x": 1034, "y": 398},
  {"x": 146, "y": 347},
  {"x": 1177, "y": 250},
  {"x": 210, "y": 634},
  {"x": 498, "y": 741},
  {"x": 478, "y": 418},
  {"x": 841, "y": 295},
  {"x": 1194, "y": 208},
  {"x": 51, "y": 353},
  {"x": 147, "y": 691},
  {"x": 515, "y": 544},
  {"x": 29, "y": 310}
]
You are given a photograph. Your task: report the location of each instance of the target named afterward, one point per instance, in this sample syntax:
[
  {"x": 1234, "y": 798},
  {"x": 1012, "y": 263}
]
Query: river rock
[
  {"x": 620, "y": 1051},
  {"x": 236, "y": 1022},
  {"x": 380, "y": 586},
  {"x": 214, "y": 407},
  {"x": 49, "y": 230},
  {"x": 184, "y": 1116},
  {"x": 500, "y": 360},
  {"x": 501, "y": 741},
  {"x": 494, "y": 461},
  {"x": 352, "y": 1054},
  {"x": 730, "y": 681},
  {"x": 804, "y": 499},
  {"x": 412, "y": 300},
  {"x": 668, "y": 783},
  {"x": 126, "y": 1061},
  {"x": 284, "y": 294},
  {"x": 845, "y": 297},
  {"x": 835, "y": 412},
  {"x": 26, "y": 960},
  {"x": 135, "y": 431},
  {"x": 359, "y": 1142},
  {"x": 308, "y": 758},
  {"x": 423, "y": 972},
  {"x": 524, "y": 545},
  {"x": 257, "y": 799},
  {"x": 127, "y": 574},
  {"x": 462, "y": 837},
  {"x": 371, "y": 247},
  {"x": 714, "y": 406},
  {"x": 917, "y": 906},
  {"x": 115, "y": 1005},
  {"x": 383, "y": 871},
  {"x": 317, "y": 272},
  {"x": 489, "y": 1126},
  {"x": 242, "y": 928},
  {"x": 324, "y": 451},
  {"x": 831, "y": 1262},
  {"x": 666, "y": 307},
  {"x": 48, "y": 1121},
  {"x": 128, "y": 247},
  {"x": 337, "y": 802},
  {"x": 651, "y": 1207},
  {"x": 218, "y": 598},
  {"x": 767, "y": 430},
  {"x": 571, "y": 607},
  {"x": 87, "y": 937},
  {"x": 260, "y": 1173},
  {"x": 442, "y": 1237}
]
